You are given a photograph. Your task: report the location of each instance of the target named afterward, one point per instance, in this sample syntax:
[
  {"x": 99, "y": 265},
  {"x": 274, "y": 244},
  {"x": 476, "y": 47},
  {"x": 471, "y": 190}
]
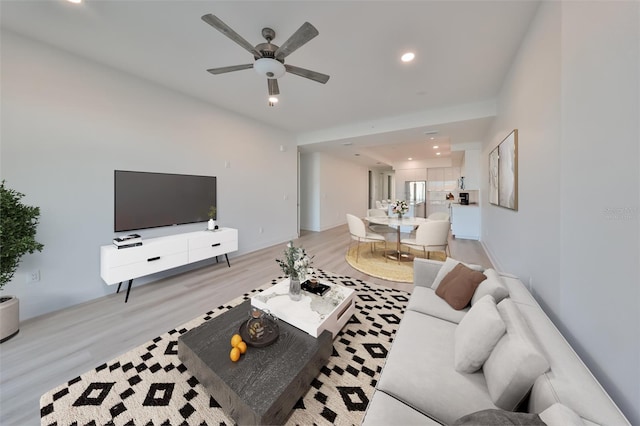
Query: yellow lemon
[
  {"x": 235, "y": 340},
  {"x": 234, "y": 354},
  {"x": 242, "y": 346}
]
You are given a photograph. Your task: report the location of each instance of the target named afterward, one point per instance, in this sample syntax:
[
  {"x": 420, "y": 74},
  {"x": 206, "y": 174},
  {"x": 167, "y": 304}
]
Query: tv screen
[{"x": 149, "y": 200}]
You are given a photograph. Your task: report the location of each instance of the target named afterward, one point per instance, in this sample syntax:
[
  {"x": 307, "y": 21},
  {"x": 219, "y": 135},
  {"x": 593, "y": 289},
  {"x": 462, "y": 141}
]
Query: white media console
[{"x": 163, "y": 253}]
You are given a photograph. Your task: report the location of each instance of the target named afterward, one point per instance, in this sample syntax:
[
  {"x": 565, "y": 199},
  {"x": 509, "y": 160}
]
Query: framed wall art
[{"x": 503, "y": 173}]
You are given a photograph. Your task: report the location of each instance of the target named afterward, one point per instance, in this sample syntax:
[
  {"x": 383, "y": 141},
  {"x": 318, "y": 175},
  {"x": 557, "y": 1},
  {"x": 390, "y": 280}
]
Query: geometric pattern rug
[
  {"x": 371, "y": 261},
  {"x": 150, "y": 386}
]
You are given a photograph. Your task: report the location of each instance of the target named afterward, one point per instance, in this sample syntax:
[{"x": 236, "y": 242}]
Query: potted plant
[
  {"x": 211, "y": 225},
  {"x": 18, "y": 224},
  {"x": 296, "y": 265}
]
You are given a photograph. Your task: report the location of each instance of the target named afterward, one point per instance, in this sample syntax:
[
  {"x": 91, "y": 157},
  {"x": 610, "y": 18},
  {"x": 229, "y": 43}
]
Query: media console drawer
[
  {"x": 147, "y": 266},
  {"x": 212, "y": 244}
]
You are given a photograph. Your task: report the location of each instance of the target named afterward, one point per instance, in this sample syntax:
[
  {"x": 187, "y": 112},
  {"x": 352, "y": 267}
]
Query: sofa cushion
[
  {"x": 447, "y": 267},
  {"x": 477, "y": 335},
  {"x": 425, "y": 300},
  {"x": 515, "y": 362},
  {"x": 384, "y": 410},
  {"x": 499, "y": 418},
  {"x": 419, "y": 371},
  {"x": 560, "y": 415},
  {"x": 493, "y": 285},
  {"x": 458, "y": 286}
]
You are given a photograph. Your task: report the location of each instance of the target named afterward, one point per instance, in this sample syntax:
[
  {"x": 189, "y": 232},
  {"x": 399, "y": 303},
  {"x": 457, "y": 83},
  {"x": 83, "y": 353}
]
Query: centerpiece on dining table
[
  {"x": 400, "y": 207},
  {"x": 296, "y": 265}
]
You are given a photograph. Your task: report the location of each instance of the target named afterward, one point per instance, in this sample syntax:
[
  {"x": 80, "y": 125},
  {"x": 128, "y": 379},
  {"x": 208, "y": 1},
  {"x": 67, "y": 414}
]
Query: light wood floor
[{"x": 56, "y": 347}]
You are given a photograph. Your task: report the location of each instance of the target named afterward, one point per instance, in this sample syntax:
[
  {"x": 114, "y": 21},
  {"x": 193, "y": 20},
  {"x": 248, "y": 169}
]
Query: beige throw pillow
[
  {"x": 493, "y": 285},
  {"x": 477, "y": 335},
  {"x": 458, "y": 286},
  {"x": 515, "y": 363}
]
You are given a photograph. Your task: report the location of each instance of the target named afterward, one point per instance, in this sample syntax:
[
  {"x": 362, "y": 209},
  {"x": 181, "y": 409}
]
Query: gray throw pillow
[{"x": 499, "y": 418}]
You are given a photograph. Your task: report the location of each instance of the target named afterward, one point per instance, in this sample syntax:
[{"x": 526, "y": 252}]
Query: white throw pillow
[
  {"x": 477, "y": 335},
  {"x": 515, "y": 363},
  {"x": 560, "y": 415},
  {"x": 493, "y": 285},
  {"x": 447, "y": 267}
]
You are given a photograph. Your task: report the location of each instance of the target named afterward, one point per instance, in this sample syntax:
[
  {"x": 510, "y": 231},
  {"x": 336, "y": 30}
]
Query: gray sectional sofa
[{"x": 530, "y": 369}]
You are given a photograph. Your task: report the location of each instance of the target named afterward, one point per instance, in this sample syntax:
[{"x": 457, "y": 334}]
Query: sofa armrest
[{"x": 425, "y": 271}]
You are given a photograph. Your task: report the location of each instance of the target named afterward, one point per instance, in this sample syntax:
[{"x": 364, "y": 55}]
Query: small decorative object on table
[
  {"x": 296, "y": 265},
  {"x": 400, "y": 207},
  {"x": 211, "y": 225},
  {"x": 260, "y": 330}
]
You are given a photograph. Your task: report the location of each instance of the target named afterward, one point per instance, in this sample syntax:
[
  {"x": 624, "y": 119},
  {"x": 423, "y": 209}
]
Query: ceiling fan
[{"x": 269, "y": 58}]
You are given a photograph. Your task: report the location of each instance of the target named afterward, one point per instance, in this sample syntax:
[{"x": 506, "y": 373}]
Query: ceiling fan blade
[
  {"x": 311, "y": 75},
  {"x": 223, "y": 70},
  {"x": 216, "y": 23},
  {"x": 273, "y": 87},
  {"x": 305, "y": 33}
]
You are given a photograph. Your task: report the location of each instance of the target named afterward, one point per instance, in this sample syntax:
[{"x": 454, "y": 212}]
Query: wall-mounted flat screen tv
[{"x": 149, "y": 200}]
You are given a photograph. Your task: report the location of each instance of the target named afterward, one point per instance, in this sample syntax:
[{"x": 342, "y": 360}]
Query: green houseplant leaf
[{"x": 18, "y": 225}]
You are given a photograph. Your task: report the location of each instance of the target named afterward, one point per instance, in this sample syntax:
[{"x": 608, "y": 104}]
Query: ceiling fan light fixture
[
  {"x": 408, "y": 57},
  {"x": 268, "y": 67}
]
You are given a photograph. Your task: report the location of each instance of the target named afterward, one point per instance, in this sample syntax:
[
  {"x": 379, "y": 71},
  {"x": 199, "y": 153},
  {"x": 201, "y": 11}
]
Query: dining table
[{"x": 397, "y": 222}]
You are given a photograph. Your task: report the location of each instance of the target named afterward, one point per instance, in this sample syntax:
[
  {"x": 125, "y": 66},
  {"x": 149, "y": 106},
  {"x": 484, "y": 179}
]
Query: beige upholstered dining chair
[
  {"x": 438, "y": 216},
  {"x": 377, "y": 228},
  {"x": 359, "y": 233},
  {"x": 430, "y": 236}
]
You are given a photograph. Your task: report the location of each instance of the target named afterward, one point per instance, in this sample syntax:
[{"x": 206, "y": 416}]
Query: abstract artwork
[
  {"x": 493, "y": 176},
  {"x": 503, "y": 173}
]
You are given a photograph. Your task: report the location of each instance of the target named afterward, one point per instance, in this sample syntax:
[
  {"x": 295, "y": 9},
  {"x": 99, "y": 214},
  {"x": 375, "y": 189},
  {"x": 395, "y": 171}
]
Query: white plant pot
[
  {"x": 9, "y": 317},
  {"x": 211, "y": 225}
]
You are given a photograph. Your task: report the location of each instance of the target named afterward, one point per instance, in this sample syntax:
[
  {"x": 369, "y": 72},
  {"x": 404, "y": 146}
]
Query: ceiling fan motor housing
[{"x": 268, "y": 66}]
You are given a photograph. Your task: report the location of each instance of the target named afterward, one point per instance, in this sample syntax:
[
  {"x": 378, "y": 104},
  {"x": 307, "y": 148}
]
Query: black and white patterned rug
[{"x": 150, "y": 386}]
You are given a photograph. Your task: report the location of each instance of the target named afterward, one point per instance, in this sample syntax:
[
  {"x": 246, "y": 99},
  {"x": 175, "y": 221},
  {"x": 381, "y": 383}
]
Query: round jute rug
[{"x": 374, "y": 264}]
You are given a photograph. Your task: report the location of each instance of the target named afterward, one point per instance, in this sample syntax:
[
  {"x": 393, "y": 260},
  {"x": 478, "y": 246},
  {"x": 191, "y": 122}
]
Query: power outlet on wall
[{"x": 33, "y": 276}]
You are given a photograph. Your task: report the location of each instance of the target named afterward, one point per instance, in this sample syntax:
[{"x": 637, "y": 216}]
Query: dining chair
[
  {"x": 430, "y": 236},
  {"x": 375, "y": 227},
  {"x": 359, "y": 233},
  {"x": 439, "y": 216}
]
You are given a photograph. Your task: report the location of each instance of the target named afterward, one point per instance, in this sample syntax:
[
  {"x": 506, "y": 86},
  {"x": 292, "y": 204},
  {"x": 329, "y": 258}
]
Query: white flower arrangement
[
  {"x": 296, "y": 264},
  {"x": 400, "y": 207}
]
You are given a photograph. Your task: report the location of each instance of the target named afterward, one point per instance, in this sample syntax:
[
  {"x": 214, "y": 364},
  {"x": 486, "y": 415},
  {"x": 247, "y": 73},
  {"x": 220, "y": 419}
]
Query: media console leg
[
  {"x": 227, "y": 257},
  {"x": 128, "y": 290},
  {"x": 118, "y": 290}
]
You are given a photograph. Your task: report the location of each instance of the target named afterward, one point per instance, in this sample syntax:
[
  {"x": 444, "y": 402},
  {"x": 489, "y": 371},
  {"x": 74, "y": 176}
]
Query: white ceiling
[{"x": 463, "y": 52}]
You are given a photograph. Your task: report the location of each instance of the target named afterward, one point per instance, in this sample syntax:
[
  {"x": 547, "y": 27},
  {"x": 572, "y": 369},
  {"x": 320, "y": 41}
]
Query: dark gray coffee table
[{"x": 265, "y": 384}]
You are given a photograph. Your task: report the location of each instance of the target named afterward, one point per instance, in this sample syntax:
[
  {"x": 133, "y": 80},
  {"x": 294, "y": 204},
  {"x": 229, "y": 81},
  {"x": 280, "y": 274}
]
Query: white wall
[
  {"x": 67, "y": 123},
  {"x": 573, "y": 95},
  {"x": 336, "y": 186}
]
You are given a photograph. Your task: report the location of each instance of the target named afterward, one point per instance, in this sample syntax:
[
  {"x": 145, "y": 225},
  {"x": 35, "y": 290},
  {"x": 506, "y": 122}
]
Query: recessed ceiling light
[
  {"x": 432, "y": 138},
  {"x": 408, "y": 57},
  {"x": 437, "y": 153},
  {"x": 75, "y": 1},
  {"x": 410, "y": 158},
  {"x": 273, "y": 99},
  {"x": 435, "y": 147}
]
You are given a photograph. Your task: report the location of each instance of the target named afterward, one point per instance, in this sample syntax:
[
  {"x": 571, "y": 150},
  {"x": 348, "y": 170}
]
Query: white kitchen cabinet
[{"x": 465, "y": 221}]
